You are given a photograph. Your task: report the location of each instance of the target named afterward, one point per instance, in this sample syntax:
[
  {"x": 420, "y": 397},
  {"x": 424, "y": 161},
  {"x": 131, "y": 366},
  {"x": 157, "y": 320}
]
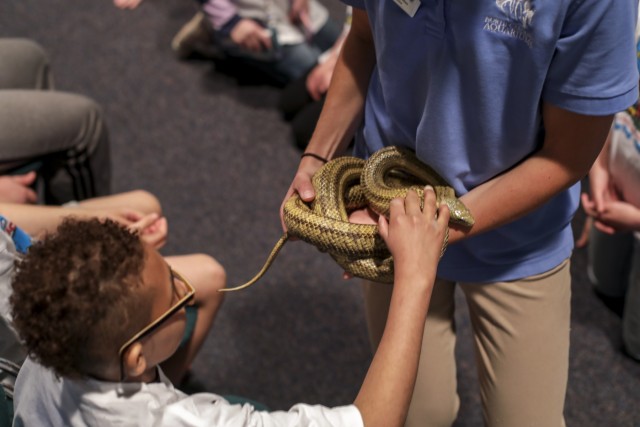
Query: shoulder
[{"x": 37, "y": 395}]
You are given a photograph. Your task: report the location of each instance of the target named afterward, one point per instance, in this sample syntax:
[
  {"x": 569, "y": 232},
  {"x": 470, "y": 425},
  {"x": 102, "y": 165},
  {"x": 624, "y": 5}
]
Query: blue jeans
[{"x": 288, "y": 62}]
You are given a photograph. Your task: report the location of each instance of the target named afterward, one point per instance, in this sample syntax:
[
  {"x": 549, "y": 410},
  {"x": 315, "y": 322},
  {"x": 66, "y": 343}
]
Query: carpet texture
[{"x": 216, "y": 152}]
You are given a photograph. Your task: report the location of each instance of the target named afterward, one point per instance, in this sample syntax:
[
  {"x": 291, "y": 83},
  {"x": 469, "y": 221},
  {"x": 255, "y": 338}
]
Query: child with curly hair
[
  {"x": 99, "y": 310},
  {"x": 139, "y": 211}
]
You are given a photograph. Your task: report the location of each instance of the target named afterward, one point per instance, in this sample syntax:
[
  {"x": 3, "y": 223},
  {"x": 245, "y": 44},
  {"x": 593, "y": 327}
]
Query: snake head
[{"x": 458, "y": 212}]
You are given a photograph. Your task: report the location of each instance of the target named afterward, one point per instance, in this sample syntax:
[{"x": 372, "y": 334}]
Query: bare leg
[{"x": 207, "y": 276}]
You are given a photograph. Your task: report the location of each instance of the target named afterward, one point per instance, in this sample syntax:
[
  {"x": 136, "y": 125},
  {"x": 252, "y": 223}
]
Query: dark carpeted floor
[{"x": 219, "y": 157}]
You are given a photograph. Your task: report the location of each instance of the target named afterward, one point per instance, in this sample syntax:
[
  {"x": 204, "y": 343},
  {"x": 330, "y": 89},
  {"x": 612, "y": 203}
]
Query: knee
[
  {"x": 90, "y": 109},
  {"x": 213, "y": 273},
  {"x": 87, "y": 113},
  {"x": 30, "y": 51},
  {"x": 26, "y": 64}
]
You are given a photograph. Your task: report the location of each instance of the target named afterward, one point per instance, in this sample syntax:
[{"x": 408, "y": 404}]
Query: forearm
[
  {"x": 414, "y": 235},
  {"x": 38, "y": 220},
  {"x": 571, "y": 145},
  {"x": 387, "y": 389},
  {"x": 344, "y": 104}
]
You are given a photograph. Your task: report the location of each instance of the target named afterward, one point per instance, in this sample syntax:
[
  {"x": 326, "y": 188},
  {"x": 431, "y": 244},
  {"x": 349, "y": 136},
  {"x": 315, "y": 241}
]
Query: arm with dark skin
[
  {"x": 414, "y": 238},
  {"x": 134, "y": 209},
  {"x": 571, "y": 145},
  {"x": 344, "y": 105}
]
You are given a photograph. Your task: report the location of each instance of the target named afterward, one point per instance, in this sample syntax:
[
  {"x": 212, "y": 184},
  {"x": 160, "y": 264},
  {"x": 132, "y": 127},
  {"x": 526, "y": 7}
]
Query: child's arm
[
  {"x": 601, "y": 189},
  {"x": 415, "y": 239},
  {"x": 611, "y": 214},
  {"x": 38, "y": 220},
  {"x": 617, "y": 216}
]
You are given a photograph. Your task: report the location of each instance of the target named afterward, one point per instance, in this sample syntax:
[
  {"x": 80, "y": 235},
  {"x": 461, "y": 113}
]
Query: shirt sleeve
[
  {"x": 7, "y": 258},
  {"x": 207, "y": 409},
  {"x": 219, "y": 12},
  {"x": 593, "y": 70}
]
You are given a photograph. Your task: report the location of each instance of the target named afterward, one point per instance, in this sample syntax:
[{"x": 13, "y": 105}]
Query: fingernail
[{"x": 428, "y": 187}]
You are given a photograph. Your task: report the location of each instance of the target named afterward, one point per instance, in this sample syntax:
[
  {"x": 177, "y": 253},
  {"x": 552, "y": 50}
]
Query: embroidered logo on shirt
[
  {"x": 517, "y": 10},
  {"x": 519, "y": 16}
]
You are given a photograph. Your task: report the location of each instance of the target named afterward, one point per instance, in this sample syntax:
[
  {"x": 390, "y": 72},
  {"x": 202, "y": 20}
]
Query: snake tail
[{"x": 272, "y": 256}]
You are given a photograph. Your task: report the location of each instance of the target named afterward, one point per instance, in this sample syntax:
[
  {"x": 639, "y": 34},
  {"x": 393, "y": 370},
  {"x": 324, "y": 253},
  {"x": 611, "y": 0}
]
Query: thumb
[
  {"x": 306, "y": 191},
  {"x": 26, "y": 179},
  {"x": 383, "y": 227}
]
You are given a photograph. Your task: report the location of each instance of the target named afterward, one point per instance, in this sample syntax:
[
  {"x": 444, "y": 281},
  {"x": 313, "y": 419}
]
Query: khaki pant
[{"x": 521, "y": 341}]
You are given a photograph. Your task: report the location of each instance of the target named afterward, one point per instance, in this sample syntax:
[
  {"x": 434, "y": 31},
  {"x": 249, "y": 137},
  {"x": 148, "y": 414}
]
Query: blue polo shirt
[{"x": 462, "y": 82}]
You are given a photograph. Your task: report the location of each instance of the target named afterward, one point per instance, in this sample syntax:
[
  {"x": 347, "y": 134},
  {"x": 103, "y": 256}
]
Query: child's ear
[{"x": 135, "y": 362}]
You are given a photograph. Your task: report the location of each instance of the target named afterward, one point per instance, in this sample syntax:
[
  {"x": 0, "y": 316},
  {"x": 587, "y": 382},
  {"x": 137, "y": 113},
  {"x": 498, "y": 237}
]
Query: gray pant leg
[
  {"x": 631, "y": 315},
  {"x": 23, "y": 65},
  {"x": 609, "y": 261},
  {"x": 65, "y": 132}
]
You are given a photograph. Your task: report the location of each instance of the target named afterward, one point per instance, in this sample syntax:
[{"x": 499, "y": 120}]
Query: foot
[{"x": 195, "y": 38}]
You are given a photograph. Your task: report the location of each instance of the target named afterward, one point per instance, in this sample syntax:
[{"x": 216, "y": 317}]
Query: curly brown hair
[{"x": 74, "y": 301}]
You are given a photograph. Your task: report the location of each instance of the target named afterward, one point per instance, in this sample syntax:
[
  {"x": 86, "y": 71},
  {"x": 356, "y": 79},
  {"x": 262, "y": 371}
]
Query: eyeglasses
[{"x": 184, "y": 292}]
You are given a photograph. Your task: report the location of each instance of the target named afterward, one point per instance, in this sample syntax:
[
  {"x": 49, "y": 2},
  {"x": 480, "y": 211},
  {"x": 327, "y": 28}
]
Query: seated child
[
  {"x": 613, "y": 204},
  {"x": 279, "y": 39},
  {"x": 99, "y": 310},
  {"x": 613, "y": 208},
  {"x": 140, "y": 211}
]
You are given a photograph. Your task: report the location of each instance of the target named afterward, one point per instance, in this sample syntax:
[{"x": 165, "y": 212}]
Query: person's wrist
[
  {"x": 229, "y": 26},
  {"x": 314, "y": 156}
]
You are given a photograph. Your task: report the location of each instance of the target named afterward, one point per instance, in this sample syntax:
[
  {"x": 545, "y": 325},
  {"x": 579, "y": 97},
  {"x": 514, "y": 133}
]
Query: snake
[{"x": 348, "y": 183}]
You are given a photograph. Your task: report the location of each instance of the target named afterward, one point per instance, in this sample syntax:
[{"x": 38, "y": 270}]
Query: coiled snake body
[{"x": 349, "y": 183}]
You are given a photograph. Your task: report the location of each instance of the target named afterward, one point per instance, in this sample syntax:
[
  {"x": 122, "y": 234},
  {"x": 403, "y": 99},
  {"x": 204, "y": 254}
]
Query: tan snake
[{"x": 348, "y": 183}]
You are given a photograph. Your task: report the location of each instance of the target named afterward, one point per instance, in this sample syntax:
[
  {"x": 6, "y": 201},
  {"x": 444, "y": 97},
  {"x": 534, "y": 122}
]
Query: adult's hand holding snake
[
  {"x": 302, "y": 185},
  {"x": 334, "y": 206}
]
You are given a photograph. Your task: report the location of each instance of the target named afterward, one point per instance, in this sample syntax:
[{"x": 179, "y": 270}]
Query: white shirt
[
  {"x": 8, "y": 255},
  {"x": 624, "y": 158},
  {"x": 41, "y": 399}
]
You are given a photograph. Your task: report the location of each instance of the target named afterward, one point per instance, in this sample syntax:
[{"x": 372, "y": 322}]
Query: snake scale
[{"x": 348, "y": 183}]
